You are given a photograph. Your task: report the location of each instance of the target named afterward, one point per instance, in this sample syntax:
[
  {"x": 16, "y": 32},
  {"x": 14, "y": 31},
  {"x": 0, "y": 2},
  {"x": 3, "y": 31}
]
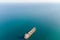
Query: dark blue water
[{"x": 18, "y": 18}]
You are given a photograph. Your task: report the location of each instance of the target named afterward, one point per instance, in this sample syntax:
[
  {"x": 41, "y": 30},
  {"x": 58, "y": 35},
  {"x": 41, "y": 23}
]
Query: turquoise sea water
[{"x": 18, "y": 18}]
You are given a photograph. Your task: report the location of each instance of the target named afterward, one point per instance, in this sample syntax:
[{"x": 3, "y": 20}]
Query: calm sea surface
[{"x": 16, "y": 19}]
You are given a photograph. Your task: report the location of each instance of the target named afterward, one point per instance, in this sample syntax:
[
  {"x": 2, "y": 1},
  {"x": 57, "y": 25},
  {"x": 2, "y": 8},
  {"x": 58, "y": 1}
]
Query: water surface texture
[{"x": 16, "y": 19}]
